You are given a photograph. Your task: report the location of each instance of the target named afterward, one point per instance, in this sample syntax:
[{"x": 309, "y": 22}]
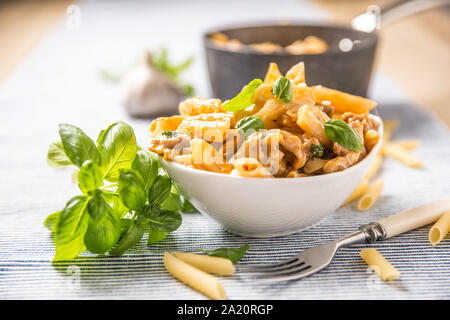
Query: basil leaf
[
  {"x": 102, "y": 235},
  {"x": 125, "y": 223},
  {"x": 188, "y": 207},
  {"x": 70, "y": 250},
  {"x": 155, "y": 236},
  {"x": 52, "y": 221},
  {"x": 160, "y": 219},
  {"x": 340, "y": 132},
  {"x": 114, "y": 200},
  {"x": 244, "y": 99},
  {"x": 249, "y": 125},
  {"x": 97, "y": 206},
  {"x": 282, "y": 89},
  {"x": 233, "y": 254},
  {"x": 131, "y": 237},
  {"x": 173, "y": 202},
  {"x": 117, "y": 147},
  {"x": 159, "y": 190},
  {"x": 317, "y": 150},
  {"x": 89, "y": 177},
  {"x": 147, "y": 167},
  {"x": 132, "y": 189},
  {"x": 73, "y": 220},
  {"x": 56, "y": 157},
  {"x": 77, "y": 145}
]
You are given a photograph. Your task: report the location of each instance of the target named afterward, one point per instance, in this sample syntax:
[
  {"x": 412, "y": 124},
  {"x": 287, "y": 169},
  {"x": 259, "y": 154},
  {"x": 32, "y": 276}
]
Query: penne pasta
[
  {"x": 344, "y": 102},
  {"x": 388, "y": 128},
  {"x": 409, "y": 144},
  {"x": 283, "y": 129},
  {"x": 401, "y": 154},
  {"x": 217, "y": 265},
  {"x": 193, "y": 277},
  {"x": 360, "y": 189},
  {"x": 379, "y": 264},
  {"x": 374, "y": 167},
  {"x": 440, "y": 229},
  {"x": 297, "y": 73},
  {"x": 249, "y": 167},
  {"x": 273, "y": 73},
  {"x": 371, "y": 195}
]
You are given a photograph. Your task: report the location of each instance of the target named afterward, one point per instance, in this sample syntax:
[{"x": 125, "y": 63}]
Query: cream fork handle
[{"x": 414, "y": 218}]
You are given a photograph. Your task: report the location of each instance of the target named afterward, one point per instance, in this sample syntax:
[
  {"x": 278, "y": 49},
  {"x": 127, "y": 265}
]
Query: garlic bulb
[{"x": 146, "y": 92}]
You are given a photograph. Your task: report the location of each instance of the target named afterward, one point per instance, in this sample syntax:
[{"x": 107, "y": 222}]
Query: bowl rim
[
  {"x": 372, "y": 38},
  {"x": 336, "y": 174}
]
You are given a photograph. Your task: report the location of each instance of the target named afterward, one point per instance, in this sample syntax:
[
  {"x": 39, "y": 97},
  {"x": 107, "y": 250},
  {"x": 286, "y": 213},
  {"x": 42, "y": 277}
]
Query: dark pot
[{"x": 348, "y": 71}]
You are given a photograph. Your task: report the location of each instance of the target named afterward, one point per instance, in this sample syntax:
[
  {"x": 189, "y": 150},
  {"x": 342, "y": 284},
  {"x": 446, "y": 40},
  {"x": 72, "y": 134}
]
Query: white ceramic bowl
[{"x": 268, "y": 207}]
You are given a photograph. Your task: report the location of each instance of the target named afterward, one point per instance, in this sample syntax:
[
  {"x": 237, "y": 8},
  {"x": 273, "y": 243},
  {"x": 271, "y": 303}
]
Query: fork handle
[{"x": 414, "y": 218}]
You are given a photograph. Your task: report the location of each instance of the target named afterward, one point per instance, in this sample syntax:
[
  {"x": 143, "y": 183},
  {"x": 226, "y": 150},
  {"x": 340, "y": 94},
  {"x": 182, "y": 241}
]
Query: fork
[{"x": 314, "y": 259}]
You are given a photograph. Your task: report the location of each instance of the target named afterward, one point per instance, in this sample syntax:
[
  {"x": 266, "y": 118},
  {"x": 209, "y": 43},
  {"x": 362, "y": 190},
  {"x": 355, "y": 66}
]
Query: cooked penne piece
[
  {"x": 163, "y": 124},
  {"x": 371, "y": 138},
  {"x": 371, "y": 195},
  {"x": 193, "y": 277},
  {"x": 249, "y": 167},
  {"x": 440, "y": 229},
  {"x": 360, "y": 189},
  {"x": 217, "y": 265},
  {"x": 273, "y": 73},
  {"x": 311, "y": 120},
  {"x": 401, "y": 154},
  {"x": 297, "y": 73},
  {"x": 198, "y": 105},
  {"x": 374, "y": 167},
  {"x": 344, "y": 102},
  {"x": 379, "y": 264}
]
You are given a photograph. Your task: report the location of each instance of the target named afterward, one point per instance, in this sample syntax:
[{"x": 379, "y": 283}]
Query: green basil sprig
[
  {"x": 340, "y": 132},
  {"x": 111, "y": 217},
  {"x": 244, "y": 99},
  {"x": 248, "y": 125},
  {"x": 232, "y": 254},
  {"x": 282, "y": 89}
]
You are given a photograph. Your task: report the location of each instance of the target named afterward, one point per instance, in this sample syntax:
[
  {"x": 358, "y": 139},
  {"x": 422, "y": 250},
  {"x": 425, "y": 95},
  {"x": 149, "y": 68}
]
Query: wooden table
[{"x": 415, "y": 52}]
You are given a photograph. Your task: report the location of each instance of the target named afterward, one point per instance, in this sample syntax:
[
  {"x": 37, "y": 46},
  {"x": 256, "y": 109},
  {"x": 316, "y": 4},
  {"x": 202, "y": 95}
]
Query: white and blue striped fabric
[{"x": 59, "y": 83}]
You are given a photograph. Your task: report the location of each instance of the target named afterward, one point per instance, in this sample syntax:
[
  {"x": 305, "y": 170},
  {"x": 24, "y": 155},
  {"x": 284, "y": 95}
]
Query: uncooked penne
[
  {"x": 193, "y": 277},
  {"x": 217, "y": 265},
  {"x": 371, "y": 195},
  {"x": 379, "y": 264},
  {"x": 374, "y": 167},
  {"x": 360, "y": 189},
  {"x": 408, "y": 144},
  {"x": 401, "y": 154},
  {"x": 440, "y": 229},
  {"x": 388, "y": 128}
]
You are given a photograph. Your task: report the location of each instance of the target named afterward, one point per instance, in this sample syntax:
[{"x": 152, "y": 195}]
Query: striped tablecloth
[{"x": 59, "y": 83}]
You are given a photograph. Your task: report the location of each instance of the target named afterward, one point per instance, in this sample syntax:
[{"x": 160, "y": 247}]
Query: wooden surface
[{"x": 415, "y": 52}]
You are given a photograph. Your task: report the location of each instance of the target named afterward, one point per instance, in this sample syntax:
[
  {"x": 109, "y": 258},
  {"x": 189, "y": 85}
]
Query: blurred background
[{"x": 414, "y": 52}]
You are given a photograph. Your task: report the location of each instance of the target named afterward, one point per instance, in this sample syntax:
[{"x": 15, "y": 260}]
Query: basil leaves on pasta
[
  {"x": 244, "y": 99},
  {"x": 282, "y": 89},
  {"x": 248, "y": 125},
  {"x": 340, "y": 132}
]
